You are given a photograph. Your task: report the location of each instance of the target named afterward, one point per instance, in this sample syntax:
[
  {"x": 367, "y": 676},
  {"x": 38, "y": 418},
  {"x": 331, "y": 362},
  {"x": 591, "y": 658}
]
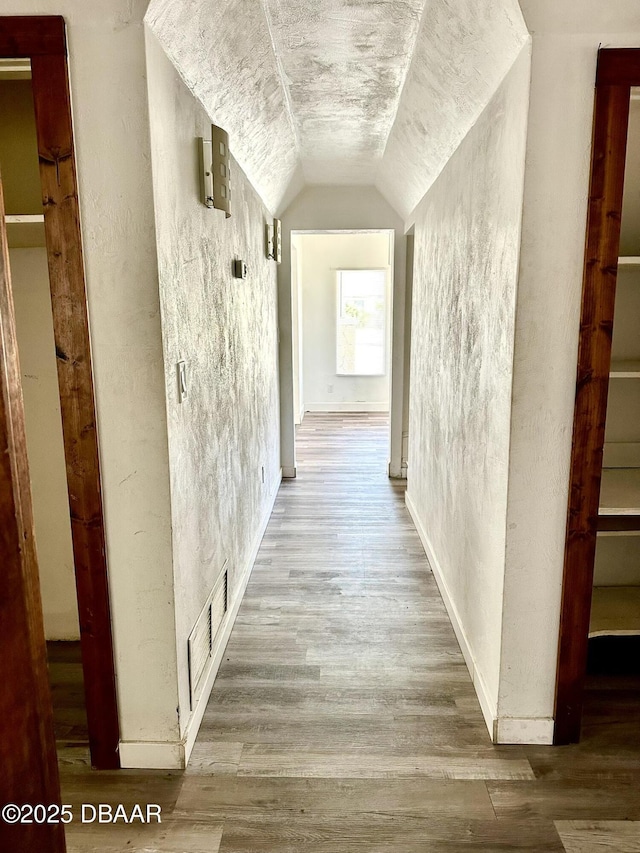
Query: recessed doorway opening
[{"x": 342, "y": 309}]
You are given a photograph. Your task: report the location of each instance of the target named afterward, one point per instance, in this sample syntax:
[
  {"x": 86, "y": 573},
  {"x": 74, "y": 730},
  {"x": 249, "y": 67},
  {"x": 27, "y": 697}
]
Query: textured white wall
[
  {"x": 225, "y": 329},
  {"x": 34, "y": 326},
  {"x": 321, "y": 255},
  {"x": 107, "y": 64},
  {"x": 548, "y": 310},
  {"x": 467, "y": 239},
  {"x": 322, "y": 208}
]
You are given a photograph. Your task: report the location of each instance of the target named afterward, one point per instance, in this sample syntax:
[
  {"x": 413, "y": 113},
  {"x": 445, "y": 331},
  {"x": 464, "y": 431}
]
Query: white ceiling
[
  {"x": 343, "y": 65},
  {"x": 341, "y": 91}
]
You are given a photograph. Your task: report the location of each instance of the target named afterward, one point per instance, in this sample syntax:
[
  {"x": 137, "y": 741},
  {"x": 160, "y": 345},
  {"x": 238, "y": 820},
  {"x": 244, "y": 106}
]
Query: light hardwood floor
[{"x": 343, "y": 717}]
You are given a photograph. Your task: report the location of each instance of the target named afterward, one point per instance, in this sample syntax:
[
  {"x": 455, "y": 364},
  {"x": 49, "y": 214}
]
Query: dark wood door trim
[
  {"x": 43, "y": 41},
  {"x": 617, "y": 70},
  {"x": 28, "y": 761},
  {"x": 25, "y": 36}
]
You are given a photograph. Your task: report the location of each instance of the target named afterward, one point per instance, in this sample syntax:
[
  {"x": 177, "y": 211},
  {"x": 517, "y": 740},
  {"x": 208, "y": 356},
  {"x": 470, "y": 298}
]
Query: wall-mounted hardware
[
  {"x": 215, "y": 171},
  {"x": 271, "y": 252},
  {"x": 239, "y": 269},
  {"x": 274, "y": 241},
  {"x": 182, "y": 380},
  {"x": 206, "y": 173},
  {"x": 277, "y": 240}
]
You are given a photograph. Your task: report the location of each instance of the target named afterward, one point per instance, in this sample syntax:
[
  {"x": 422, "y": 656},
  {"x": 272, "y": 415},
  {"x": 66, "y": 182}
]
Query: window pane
[{"x": 361, "y": 322}]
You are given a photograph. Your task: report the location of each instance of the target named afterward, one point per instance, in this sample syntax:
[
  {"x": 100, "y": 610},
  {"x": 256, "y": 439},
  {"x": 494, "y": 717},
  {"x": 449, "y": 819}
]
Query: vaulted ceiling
[{"x": 341, "y": 91}]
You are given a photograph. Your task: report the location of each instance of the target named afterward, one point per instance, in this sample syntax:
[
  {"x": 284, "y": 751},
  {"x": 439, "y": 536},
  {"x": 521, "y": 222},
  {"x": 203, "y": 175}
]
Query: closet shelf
[
  {"x": 619, "y": 499},
  {"x": 615, "y": 611},
  {"x": 24, "y": 218},
  {"x": 25, "y": 230},
  {"x": 629, "y": 262},
  {"x": 625, "y": 369}
]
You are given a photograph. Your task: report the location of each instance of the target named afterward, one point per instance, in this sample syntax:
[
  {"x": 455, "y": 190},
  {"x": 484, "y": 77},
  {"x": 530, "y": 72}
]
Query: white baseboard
[
  {"x": 529, "y": 730},
  {"x": 346, "y": 407},
  {"x": 489, "y": 710},
  {"x": 288, "y": 473},
  {"x": 175, "y": 755},
  {"x": 166, "y": 755}
]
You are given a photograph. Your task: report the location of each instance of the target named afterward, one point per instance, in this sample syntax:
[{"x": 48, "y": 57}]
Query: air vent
[{"x": 202, "y": 638}]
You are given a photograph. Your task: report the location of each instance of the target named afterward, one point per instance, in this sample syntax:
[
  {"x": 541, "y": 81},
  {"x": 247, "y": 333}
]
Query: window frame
[{"x": 338, "y": 311}]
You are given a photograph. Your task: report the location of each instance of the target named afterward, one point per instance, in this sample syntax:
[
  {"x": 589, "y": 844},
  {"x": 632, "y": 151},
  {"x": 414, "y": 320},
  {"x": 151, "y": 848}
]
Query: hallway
[{"x": 343, "y": 717}]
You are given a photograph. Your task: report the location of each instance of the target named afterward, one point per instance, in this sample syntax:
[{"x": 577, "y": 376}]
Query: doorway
[
  {"x": 603, "y": 524},
  {"x": 46, "y": 253},
  {"x": 341, "y": 325}
]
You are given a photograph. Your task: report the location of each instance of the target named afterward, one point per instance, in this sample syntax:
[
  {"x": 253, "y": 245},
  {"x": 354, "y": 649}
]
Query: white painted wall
[
  {"x": 565, "y": 45},
  {"x": 323, "y": 208},
  {"x": 467, "y": 242},
  {"x": 321, "y": 255},
  {"x": 225, "y": 329},
  {"x": 36, "y": 347},
  {"x": 296, "y": 335},
  {"x": 107, "y": 65}
]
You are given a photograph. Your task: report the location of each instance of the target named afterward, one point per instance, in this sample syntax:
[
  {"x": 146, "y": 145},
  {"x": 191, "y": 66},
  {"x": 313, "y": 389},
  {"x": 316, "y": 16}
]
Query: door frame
[
  {"x": 43, "y": 41},
  {"x": 617, "y": 71},
  {"x": 27, "y": 746}
]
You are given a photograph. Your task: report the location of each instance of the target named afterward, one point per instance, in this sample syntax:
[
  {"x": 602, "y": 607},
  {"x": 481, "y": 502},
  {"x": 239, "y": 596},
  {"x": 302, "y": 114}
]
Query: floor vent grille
[{"x": 201, "y": 641}]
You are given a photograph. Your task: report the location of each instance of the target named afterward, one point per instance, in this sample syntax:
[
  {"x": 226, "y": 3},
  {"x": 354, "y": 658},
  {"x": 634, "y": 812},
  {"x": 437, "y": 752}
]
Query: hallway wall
[
  {"x": 225, "y": 433},
  {"x": 467, "y": 240}
]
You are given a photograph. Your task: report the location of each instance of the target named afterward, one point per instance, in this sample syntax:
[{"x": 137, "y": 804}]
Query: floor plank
[
  {"x": 343, "y": 717},
  {"x": 599, "y": 836}
]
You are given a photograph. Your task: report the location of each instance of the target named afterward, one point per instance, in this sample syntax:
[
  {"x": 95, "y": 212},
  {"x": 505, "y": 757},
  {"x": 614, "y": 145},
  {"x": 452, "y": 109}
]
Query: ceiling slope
[
  {"x": 341, "y": 91},
  {"x": 344, "y": 63},
  {"x": 224, "y": 53},
  {"x": 463, "y": 51}
]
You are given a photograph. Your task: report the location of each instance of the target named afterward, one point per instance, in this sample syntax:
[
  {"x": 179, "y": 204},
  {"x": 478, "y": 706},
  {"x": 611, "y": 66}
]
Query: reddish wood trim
[
  {"x": 594, "y": 359},
  {"x": 25, "y": 36},
  {"x": 75, "y": 378},
  {"x": 28, "y": 761},
  {"x": 43, "y": 40},
  {"x": 618, "y": 67}
]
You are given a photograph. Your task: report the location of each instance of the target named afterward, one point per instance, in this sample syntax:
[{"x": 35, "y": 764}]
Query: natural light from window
[{"x": 361, "y": 323}]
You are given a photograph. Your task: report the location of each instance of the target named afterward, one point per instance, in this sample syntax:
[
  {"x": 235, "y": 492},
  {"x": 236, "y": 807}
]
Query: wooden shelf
[
  {"x": 620, "y": 491},
  {"x": 625, "y": 370},
  {"x": 24, "y": 218},
  {"x": 25, "y": 230},
  {"x": 619, "y": 499},
  {"x": 629, "y": 262},
  {"x": 615, "y": 611}
]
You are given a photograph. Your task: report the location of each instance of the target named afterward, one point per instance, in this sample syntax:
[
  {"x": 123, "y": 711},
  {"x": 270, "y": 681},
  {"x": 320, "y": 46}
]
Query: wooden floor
[
  {"x": 67, "y": 693},
  {"x": 343, "y": 718}
]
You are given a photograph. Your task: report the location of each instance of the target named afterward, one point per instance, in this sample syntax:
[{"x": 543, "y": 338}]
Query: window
[{"x": 361, "y": 326}]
